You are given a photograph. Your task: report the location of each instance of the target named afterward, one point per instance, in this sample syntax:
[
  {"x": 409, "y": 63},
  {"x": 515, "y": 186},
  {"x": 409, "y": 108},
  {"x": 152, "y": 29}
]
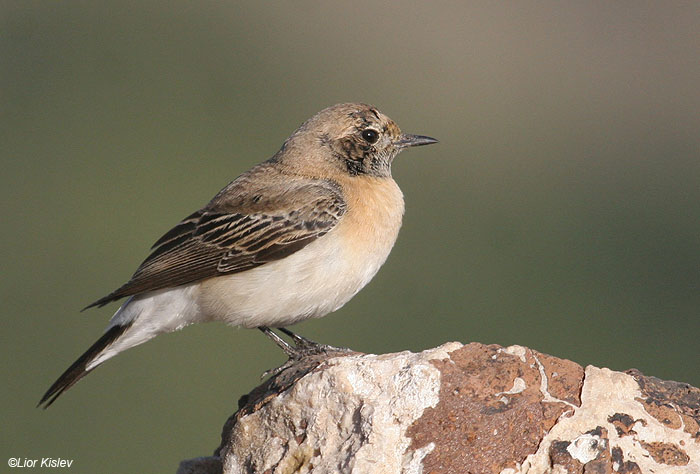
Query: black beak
[{"x": 407, "y": 140}]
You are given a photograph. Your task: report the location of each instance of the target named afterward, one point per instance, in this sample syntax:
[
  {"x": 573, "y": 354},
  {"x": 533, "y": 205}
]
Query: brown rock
[
  {"x": 560, "y": 458},
  {"x": 673, "y": 403},
  {"x": 666, "y": 453},
  {"x": 496, "y": 412},
  {"x": 623, "y": 423},
  {"x": 459, "y": 409}
]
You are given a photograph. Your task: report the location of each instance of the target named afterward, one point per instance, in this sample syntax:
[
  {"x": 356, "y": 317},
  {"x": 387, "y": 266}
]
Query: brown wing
[{"x": 218, "y": 240}]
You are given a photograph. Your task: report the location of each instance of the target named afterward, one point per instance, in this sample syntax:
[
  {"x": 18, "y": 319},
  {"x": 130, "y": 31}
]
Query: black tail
[{"x": 78, "y": 370}]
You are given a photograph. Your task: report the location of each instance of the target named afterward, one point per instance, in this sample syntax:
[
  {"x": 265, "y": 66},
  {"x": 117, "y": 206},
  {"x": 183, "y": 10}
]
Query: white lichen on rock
[
  {"x": 352, "y": 416},
  {"x": 439, "y": 411},
  {"x": 605, "y": 393}
]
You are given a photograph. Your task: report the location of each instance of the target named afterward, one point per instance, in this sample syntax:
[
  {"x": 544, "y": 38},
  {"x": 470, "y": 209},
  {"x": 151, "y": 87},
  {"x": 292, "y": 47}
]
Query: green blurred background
[{"x": 561, "y": 209}]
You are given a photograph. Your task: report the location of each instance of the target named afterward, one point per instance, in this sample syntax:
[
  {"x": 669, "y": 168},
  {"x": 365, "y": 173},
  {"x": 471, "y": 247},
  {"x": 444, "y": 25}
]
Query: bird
[{"x": 293, "y": 238}]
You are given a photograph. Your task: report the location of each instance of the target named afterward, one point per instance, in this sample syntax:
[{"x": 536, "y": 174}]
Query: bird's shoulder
[{"x": 265, "y": 189}]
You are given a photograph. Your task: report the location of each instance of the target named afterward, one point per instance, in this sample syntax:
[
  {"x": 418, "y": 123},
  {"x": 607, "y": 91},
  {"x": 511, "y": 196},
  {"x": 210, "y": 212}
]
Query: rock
[{"x": 459, "y": 409}]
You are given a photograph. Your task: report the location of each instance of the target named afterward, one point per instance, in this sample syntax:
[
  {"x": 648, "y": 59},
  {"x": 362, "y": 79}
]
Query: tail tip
[{"x": 81, "y": 367}]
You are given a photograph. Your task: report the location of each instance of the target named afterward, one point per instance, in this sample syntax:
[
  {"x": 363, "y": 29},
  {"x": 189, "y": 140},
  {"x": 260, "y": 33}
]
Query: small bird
[{"x": 295, "y": 237}]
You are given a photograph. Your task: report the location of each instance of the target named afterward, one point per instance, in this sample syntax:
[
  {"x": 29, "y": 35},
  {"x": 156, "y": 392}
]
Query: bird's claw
[{"x": 302, "y": 349}]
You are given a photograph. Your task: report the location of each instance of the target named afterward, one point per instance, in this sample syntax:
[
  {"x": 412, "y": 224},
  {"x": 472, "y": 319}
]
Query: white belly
[{"x": 310, "y": 283}]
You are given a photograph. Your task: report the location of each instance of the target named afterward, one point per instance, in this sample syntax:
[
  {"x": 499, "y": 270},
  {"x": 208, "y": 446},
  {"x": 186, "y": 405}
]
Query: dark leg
[
  {"x": 303, "y": 347},
  {"x": 301, "y": 341},
  {"x": 281, "y": 343}
]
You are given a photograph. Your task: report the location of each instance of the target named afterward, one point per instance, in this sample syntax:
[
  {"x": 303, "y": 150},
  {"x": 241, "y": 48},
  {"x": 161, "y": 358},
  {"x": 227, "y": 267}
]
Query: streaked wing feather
[
  {"x": 183, "y": 228},
  {"x": 209, "y": 243}
]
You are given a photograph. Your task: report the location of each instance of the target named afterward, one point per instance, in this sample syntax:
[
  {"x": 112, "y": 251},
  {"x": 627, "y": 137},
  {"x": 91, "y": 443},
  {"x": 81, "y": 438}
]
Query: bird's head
[{"x": 355, "y": 138}]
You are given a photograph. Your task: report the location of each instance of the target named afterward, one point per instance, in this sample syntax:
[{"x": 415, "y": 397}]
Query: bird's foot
[
  {"x": 303, "y": 348},
  {"x": 306, "y": 347}
]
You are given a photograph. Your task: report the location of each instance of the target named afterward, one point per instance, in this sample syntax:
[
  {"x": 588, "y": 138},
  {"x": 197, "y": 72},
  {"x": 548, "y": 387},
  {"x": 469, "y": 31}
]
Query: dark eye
[{"x": 370, "y": 136}]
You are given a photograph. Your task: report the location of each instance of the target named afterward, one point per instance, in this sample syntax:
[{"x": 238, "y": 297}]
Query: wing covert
[{"x": 219, "y": 240}]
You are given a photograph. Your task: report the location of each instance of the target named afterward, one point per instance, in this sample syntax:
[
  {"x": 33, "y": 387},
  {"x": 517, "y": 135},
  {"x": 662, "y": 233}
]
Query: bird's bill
[{"x": 407, "y": 140}]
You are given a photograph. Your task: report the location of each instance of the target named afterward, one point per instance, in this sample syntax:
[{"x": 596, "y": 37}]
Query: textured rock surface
[{"x": 459, "y": 409}]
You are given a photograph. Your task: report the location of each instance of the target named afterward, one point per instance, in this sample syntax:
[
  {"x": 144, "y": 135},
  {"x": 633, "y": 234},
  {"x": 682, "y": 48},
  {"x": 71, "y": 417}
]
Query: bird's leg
[
  {"x": 298, "y": 340},
  {"x": 281, "y": 343},
  {"x": 303, "y": 347},
  {"x": 307, "y": 346}
]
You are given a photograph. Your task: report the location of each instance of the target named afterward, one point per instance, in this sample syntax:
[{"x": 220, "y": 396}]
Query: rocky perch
[{"x": 459, "y": 409}]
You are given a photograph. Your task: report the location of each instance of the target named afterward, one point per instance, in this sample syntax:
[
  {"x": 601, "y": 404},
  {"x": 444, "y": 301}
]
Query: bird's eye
[{"x": 370, "y": 136}]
